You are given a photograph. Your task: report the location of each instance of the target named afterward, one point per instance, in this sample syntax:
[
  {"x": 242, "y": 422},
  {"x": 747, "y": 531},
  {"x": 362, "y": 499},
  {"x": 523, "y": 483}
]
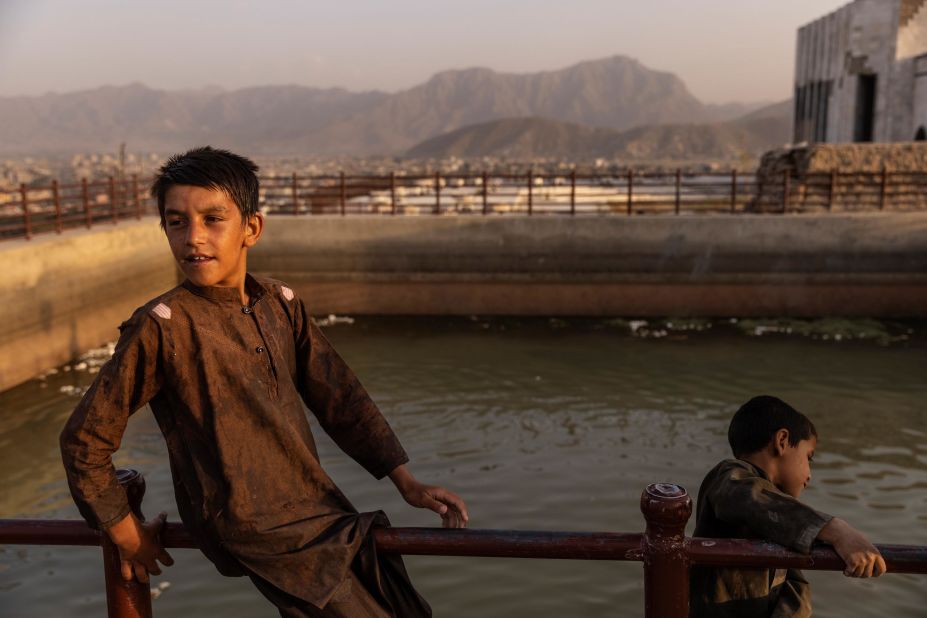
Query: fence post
[
  {"x": 24, "y": 198},
  {"x": 733, "y": 190},
  {"x": 112, "y": 199},
  {"x": 485, "y": 193},
  {"x": 392, "y": 192},
  {"x": 294, "y": 188},
  {"x": 57, "y": 199},
  {"x": 786, "y": 189},
  {"x": 344, "y": 192},
  {"x": 437, "y": 193},
  {"x": 573, "y": 191},
  {"x": 883, "y": 189},
  {"x": 832, "y": 190},
  {"x": 666, "y": 510},
  {"x": 85, "y": 197},
  {"x": 530, "y": 191},
  {"x": 136, "y": 197},
  {"x": 125, "y": 599},
  {"x": 630, "y": 189},
  {"x": 678, "y": 188}
]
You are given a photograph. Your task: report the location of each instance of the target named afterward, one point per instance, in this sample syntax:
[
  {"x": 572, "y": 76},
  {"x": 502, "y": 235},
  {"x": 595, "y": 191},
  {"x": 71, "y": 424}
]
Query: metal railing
[
  {"x": 54, "y": 207},
  {"x": 666, "y": 553}
]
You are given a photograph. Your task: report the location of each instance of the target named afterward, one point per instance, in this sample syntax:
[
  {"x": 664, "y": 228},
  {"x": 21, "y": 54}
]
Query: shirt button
[
  {"x": 259, "y": 349},
  {"x": 246, "y": 310}
]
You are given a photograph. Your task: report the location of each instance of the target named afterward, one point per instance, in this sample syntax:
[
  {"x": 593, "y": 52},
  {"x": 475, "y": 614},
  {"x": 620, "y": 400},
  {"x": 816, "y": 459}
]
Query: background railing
[
  {"x": 666, "y": 553},
  {"x": 54, "y": 207}
]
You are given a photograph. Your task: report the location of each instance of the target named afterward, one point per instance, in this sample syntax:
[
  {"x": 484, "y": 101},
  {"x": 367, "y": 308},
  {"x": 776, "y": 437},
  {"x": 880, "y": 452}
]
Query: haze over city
[{"x": 724, "y": 50}]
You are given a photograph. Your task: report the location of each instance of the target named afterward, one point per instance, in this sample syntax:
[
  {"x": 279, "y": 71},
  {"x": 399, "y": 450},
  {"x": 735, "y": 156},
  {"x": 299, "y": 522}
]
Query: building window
[{"x": 865, "y": 108}]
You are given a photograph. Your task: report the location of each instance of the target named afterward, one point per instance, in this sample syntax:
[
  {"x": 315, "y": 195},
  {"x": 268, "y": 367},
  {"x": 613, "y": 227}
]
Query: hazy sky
[{"x": 725, "y": 50}]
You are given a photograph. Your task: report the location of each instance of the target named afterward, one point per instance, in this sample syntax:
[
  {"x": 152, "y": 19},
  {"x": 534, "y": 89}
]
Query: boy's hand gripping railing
[{"x": 664, "y": 550}]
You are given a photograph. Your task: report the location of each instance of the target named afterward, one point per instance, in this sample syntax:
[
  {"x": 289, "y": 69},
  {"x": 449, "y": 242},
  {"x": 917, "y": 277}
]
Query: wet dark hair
[
  {"x": 756, "y": 422},
  {"x": 210, "y": 168}
]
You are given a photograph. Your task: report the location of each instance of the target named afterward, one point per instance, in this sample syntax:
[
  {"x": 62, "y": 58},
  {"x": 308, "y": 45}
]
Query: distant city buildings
[{"x": 861, "y": 74}]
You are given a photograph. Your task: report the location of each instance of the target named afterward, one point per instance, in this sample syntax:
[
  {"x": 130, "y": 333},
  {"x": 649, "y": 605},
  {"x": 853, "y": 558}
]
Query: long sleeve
[
  {"x": 739, "y": 496},
  {"x": 94, "y": 431},
  {"x": 340, "y": 403}
]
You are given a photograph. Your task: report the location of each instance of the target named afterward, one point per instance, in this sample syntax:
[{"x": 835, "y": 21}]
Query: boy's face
[
  {"x": 794, "y": 469},
  {"x": 206, "y": 235}
]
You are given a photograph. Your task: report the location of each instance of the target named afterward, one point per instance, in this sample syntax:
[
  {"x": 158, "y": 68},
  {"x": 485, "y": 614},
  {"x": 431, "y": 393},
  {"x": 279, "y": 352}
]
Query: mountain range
[{"x": 616, "y": 94}]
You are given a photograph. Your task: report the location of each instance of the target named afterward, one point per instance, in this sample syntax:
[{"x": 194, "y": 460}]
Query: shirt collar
[
  {"x": 759, "y": 471},
  {"x": 228, "y": 295}
]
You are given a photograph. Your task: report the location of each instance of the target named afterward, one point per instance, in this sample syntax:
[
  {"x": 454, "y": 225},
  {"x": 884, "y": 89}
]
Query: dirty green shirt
[
  {"x": 737, "y": 500},
  {"x": 227, "y": 385}
]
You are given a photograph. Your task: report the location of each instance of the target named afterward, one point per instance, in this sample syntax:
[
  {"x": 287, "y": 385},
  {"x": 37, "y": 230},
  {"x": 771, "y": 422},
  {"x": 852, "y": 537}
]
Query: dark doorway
[
  {"x": 921, "y": 134},
  {"x": 865, "y": 108}
]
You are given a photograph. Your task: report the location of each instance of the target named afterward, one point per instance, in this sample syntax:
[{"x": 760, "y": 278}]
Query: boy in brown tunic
[
  {"x": 227, "y": 362},
  {"x": 756, "y": 496}
]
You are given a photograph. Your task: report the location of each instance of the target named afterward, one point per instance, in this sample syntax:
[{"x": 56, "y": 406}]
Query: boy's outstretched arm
[
  {"x": 445, "y": 503},
  {"x": 861, "y": 557},
  {"x": 139, "y": 546}
]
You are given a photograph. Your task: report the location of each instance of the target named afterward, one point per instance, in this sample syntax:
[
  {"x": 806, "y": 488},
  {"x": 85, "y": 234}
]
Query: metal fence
[
  {"x": 666, "y": 553},
  {"x": 55, "y": 207}
]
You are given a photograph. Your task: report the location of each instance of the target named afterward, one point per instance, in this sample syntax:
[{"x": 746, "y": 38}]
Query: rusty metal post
[
  {"x": 573, "y": 191},
  {"x": 630, "y": 189},
  {"x": 24, "y": 198},
  {"x": 832, "y": 190},
  {"x": 733, "y": 190},
  {"x": 344, "y": 192},
  {"x": 136, "y": 198},
  {"x": 125, "y": 599},
  {"x": 112, "y": 199},
  {"x": 437, "y": 193},
  {"x": 56, "y": 197},
  {"x": 85, "y": 197},
  {"x": 786, "y": 190},
  {"x": 883, "y": 188},
  {"x": 666, "y": 510},
  {"x": 530, "y": 191},
  {"x": 392, "y": 192},
  {"x": 678, "y": 188},
  {"x": 294, "y": 188},
  {"x": 485, "y": 193}
]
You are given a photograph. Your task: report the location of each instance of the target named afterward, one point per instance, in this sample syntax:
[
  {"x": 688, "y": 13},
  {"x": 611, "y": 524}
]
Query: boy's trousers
[{"x": 351, "y": 600}]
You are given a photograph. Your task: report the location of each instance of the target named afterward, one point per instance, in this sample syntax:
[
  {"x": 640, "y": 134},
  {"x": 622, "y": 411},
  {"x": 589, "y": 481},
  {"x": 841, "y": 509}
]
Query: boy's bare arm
[
  {"x": 861, "y": 557},
  {"x": 445, "y": 503},
  {"x": 139, "y": 546}
]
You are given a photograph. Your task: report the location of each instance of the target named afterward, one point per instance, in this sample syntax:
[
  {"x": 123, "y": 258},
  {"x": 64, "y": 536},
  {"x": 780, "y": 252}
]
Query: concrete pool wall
[{"x": 64, "y": 294}]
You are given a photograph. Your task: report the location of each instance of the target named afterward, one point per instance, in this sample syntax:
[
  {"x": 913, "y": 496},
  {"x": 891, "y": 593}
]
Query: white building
[{"x": 861, "y": 74}]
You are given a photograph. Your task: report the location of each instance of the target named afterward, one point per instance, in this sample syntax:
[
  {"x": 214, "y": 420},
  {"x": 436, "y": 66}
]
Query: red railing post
[
  {"x": 666, "y": 510},
  {"x": 630, "y": 189},
  {"x": 573, "y": 191},
  {"x": 733, "y": 190},
  {"x": 344, "y": 193},
  {"x": 832, "y": 191},
  {"x": 136, "y": 198},
  {"x": 678, "y": 188},
  {"x": 85, "y": 197},
  {"x": 485, "y": 193},
  {"x": 786, "y": 190},
  {"x": 392, "y": 192},
  {"x": 294, "y": 188},
  {"x": 883, "y": 189},
  {"x": 24, "y": 198},
  {"x": 530, "y": 191},
  {"x": 125, "y": 599},
  {"x": 112, "y": 199},
  {"x": 437, "y": 193},
  {"x": 56, "y": 197}
]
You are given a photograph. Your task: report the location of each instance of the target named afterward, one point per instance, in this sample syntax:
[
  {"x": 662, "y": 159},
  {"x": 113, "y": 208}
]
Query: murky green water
[{"x": 538, "y": 425}]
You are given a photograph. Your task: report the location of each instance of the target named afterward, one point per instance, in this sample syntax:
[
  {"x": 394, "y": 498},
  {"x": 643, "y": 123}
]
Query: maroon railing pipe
[
  {"x": 666, "y": 509},
  {"x": 125, "y": 598},
  {"x": 56, "y": 198},
  {"x": 24, "y": 198}
]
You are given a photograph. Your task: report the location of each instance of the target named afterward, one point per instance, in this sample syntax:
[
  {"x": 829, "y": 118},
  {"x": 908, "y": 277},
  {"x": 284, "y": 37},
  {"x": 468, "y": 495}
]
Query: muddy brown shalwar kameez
[
  {"x": 737, "y": 500},
  {"x": 227, "y": 384}
]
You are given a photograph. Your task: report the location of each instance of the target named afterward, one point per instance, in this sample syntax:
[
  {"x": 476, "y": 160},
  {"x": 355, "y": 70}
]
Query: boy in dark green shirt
[{"x": 756, "y": 496}]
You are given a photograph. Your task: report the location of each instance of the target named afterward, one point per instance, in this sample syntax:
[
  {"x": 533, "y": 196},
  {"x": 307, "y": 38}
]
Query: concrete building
[{"x": 861, "y": 74}]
